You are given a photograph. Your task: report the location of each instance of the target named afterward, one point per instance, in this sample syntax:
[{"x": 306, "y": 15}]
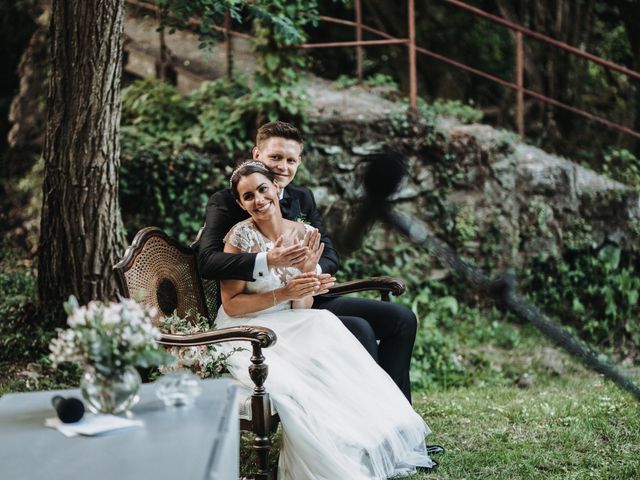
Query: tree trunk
[{"x": 81, "y": 229}]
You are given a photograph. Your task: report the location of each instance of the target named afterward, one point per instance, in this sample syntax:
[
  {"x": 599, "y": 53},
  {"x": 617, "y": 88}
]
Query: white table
[{"x": 191, "y": 443}]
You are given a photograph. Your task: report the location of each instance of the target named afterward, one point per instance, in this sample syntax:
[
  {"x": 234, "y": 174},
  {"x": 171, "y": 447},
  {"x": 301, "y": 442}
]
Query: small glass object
[{"x": 178, "y": 388}]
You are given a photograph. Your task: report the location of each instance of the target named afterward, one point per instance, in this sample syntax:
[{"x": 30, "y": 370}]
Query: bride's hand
[
  {"x": 299, "y": 287},
  {"x": 326, "y": 282},
  {"x": 314, "y": 249}
]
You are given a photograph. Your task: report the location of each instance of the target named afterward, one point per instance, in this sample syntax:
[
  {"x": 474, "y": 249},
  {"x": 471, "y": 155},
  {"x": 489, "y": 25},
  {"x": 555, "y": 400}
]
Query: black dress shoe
[
  {"x": 434, "y": 450},
  {"x": 432, "y": 468}
]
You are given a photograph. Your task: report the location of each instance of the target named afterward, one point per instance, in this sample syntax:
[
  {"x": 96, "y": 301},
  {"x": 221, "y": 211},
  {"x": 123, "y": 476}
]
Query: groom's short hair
[{"x": 278, "y": 129}]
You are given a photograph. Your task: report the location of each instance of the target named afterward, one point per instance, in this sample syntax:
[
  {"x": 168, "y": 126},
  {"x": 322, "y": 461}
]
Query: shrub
[
  {"x": 436, "y": 359},
  {"x": 622, "y": 165},
  {"x": 22, "y": 336},
  {"x": 457, "y": 109},
  {"x": 169, "y": 192},
  {"x": 596, "y": 291}
]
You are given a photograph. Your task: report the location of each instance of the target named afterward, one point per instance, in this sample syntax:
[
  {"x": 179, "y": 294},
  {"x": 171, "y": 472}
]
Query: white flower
[
  {"x": 110, "y": 335},
  {"x": 190, "y": 356},
  {"x": 138, "y": 339},
  {"x": 93, "y": 309},
  {"x": 111, "y": 315},
  {"x": 77, "y": 318}
]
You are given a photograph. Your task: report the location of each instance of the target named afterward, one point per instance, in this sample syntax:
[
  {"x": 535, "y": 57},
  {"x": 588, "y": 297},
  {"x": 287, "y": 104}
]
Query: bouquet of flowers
[{"x": 108, "y": 337}]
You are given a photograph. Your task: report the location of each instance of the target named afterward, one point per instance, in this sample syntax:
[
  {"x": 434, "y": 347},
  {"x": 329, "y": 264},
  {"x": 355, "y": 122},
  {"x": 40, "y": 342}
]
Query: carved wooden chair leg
[{"x": 260, "y": 406}]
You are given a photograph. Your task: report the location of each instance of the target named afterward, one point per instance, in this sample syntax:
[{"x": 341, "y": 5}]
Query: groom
[{"x": 279, "y": 146}]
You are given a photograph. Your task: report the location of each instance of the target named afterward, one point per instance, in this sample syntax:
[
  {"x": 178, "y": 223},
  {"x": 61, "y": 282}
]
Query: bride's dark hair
[{"x": 248, "y": 168}]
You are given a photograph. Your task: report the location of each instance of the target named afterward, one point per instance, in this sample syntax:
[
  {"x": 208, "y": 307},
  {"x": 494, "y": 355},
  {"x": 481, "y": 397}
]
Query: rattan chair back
[{"x": 160, "y": 272}]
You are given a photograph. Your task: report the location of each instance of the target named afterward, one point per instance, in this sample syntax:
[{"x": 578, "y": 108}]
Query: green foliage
[
  {"x": 169, "y": 192},
  {"x": 370, "y": 260},
  {"x": 596, "y": 291},
  {"x": 22, "y": 336},
  {"x": 222, "y": 116},
  {"x": 399, "y": 121},
  {"x": 37, "y": 376},
  {"x": 157, "y": 112},
  {"x": 345, "y": 81},
  {"x": 455, "y": 108},
  {"x": 269, "y": 101},
  {"x": 447, "y": 329},
  {"x": 622, "y": 165},
  {"x": 403, "y": 122},
  {"x": 434, "y": 360},
  {"x": 381, "y": 80},
  {"x": 376, "y": 80},
  {"x": 275, "y": 92},
  {"x": 279, "y": 26},
  {"x": 176, "y": 15}
]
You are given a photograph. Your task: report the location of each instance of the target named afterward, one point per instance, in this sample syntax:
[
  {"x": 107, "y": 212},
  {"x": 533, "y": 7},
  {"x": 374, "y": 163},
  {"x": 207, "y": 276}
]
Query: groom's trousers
[{"x": 371, "y": 320}]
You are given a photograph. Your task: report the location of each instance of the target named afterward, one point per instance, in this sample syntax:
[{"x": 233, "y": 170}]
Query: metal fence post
[
  {"x": 229, "y": 49},
  {"x": 413, "y": 83},
  {"x": 359, "y": 49},
  {"x": 520, "y": 84}
]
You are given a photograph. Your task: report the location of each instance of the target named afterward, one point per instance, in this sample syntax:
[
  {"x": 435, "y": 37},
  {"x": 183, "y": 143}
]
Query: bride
[{"x": 342, "y": 415}]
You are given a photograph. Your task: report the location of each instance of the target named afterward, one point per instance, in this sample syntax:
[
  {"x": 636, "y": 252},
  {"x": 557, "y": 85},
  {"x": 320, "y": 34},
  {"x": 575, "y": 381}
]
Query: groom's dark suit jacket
[{"x": 223, "y": 213}]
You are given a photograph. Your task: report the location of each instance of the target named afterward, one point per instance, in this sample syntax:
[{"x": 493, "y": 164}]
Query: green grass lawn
[
  {"x": 575, "y": 427},
  {"x": 571, "y": 427}
]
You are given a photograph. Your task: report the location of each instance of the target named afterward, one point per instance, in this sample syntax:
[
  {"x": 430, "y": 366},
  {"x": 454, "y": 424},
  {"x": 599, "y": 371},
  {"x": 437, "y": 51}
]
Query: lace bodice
[{"x": 246, "y": 236}]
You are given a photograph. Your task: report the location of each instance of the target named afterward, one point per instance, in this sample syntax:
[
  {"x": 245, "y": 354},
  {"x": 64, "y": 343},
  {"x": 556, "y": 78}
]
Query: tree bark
[{"x": 81, "y": 229}]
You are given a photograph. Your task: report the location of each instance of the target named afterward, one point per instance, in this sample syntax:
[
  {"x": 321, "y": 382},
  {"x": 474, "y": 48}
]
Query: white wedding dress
[{"x": 342, "y": 415}]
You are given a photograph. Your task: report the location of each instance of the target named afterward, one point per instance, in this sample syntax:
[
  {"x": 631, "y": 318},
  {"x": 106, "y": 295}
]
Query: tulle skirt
[{"x": 342, "y": 415}]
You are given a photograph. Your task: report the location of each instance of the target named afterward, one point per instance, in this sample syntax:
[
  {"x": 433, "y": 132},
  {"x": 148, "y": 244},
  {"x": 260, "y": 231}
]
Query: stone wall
[{"x": 493, "y": 198}]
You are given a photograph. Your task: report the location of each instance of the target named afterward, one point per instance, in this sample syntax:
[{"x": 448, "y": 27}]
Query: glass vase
[{"x": 110, "y": 394}]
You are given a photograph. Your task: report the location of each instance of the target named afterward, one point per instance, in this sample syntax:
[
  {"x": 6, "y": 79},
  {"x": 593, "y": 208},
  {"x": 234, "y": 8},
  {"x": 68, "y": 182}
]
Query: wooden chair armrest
[
  {"x": 261, "y": 423},
  {"x": 259, "y": 336},
  {"x": 384, "y": 285}
]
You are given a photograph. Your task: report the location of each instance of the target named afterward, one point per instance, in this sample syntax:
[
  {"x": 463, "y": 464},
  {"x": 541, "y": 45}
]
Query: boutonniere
[{"x": 302, "y": 218}]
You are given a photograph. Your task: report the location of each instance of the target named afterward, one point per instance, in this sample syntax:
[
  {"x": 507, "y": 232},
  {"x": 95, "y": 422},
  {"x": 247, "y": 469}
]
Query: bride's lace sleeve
[{"x": 244, "y": 236}]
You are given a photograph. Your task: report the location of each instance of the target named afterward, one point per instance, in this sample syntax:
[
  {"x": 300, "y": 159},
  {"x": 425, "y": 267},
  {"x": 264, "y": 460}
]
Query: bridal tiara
[{"x": 253, "y": 163}]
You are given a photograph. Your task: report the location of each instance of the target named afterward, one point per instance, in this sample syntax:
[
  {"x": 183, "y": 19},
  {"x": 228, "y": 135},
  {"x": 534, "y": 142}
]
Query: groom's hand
[
  {"x": 280, "y": 256},
  {"x": 314, "y": 248}
]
